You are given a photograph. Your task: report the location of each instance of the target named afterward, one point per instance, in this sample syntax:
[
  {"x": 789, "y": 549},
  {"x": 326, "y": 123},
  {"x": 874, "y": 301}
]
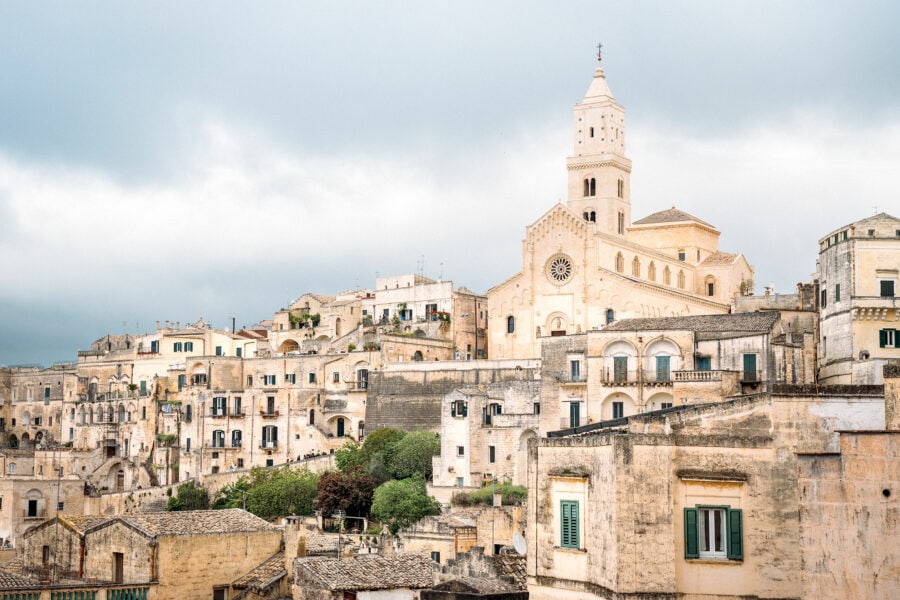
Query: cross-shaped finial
[{"x": 599, "y": 52}]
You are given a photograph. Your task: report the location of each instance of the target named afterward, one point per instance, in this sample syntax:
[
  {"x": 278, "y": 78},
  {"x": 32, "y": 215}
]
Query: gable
[{"x": 558, "y": 219}]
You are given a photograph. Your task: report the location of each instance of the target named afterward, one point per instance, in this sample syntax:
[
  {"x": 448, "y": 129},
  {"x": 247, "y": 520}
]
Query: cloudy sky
[{"x": 176, "y": 160}]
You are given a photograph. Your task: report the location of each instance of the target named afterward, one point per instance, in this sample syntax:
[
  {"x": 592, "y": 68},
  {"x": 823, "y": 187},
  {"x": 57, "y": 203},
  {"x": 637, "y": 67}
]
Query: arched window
[
  {"x": 587, "y": 188},
  {"x": 593, "y": 187},
  {"x": 620, "y": 263},
  {"x": 621, "y": 224},
  {"x": 621, "y": 188},
  {"x": 312, "y": 416},
  {"x": 510, "y": 324},
  {"x": 593, "y": 218},
  {"x": 610, "y": 316},
  {"x": 651, "y": 271},
  {"x": 587, "y": 216},
  {"x": 681, "y": 279},
  {"x": 667, "y": 276},
  {"x": 417, "y": 356},
  {"x": 710, "y": 286},
  {"x": 636, "y": 267}
]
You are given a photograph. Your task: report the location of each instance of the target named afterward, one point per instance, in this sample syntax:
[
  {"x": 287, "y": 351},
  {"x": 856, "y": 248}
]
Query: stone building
[
  {"x": 183, "y": 555},
  {"x": 475, "y": 575},
  {"x": 585, "y": 264},
  {"x": 641, "y": 365},
  {"x": 859, "y": 300},
  {"x": 698, "y": 501}
]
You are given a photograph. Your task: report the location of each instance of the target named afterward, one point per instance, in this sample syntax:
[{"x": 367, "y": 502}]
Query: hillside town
[{"x": 627, "y": 416}]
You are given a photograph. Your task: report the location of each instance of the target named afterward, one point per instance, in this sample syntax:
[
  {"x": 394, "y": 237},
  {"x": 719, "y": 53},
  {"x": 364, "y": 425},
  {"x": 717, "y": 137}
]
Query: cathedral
[{"x": 586, "y": 264}]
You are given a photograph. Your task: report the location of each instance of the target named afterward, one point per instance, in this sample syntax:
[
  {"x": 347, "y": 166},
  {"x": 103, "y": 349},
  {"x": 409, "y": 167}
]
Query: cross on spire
[{"x": 599, "y": 52}]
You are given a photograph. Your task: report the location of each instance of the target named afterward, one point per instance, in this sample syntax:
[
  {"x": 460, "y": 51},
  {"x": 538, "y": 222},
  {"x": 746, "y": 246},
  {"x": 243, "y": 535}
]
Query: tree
[
  {"x": 350, "y": 491},
  {"x": 349, "y": 456},
  {"x": 190, "y": 496},
  {"x": 413, "y": 454},
  {"x": 400, "y": 503},
  {"x": 280, "y": 492},
  {"x": 232, "y": 495},
  {"x": 377, "y": 451}
]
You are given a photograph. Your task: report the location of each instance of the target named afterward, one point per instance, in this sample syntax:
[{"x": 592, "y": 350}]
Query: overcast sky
[{"x": 175, "y": 160}]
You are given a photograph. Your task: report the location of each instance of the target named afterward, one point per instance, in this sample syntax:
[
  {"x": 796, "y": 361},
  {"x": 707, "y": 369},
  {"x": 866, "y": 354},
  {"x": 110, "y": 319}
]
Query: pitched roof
[
  {"x": 264, "y": 575},
  {"x": 11, "y": 581},
  {"x": 198, "y": 522},
  {"x": 369, "y": 572},
  {"x": 758, "y": 322},
  {"x": 670, "y": 215},
  {"x": 81, "y": 523},
  {"x": 476, "y": 585},
  {"x": 512, "y": 567}
]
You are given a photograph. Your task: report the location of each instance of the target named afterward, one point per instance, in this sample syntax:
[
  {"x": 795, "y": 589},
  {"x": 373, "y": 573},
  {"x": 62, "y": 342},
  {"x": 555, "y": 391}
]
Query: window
[
  {"x": 460, "y": 482},
  {"x": 143, "y": 387},
  {"x": 219, "y": 406},
  {"x": 362, "y": 379},
  {"x": 182, "y": 380},
  {"x": 590, "y": 187},
  {"x": 177, "y": 347},
  {"x": 290, "y": 378},
  {"x": 704, "y": 363},
  {"x": 610, "y": 316},
  {"x": 620, "y": 369},
  {"x": 236, "y": 438},
  {"x": 681, "y": 255},
  {"x": 681, "y": 280},
  {"x": 269, "y": 379},
  {"x": 510, "y": 324},
  {"x": 662, "y": 368},
  {"x": 459, "y": 408},
  {"x": 664, "y": 405},
  {"x": 220, "y": 593},
  {"x": 621, "y": 190},
  {"x": 837, "y": 292},
  {"x": 189, "y": 346},
  {"x": 713, "y": 532},
  {"x": 492, "y": 454},
  {"x": 154, "y": 346},
  {"x": 436, "y": 557},
  {"x": 311, "y": 378},
  {"x": 636, "y": 267},
  {"x": 621, "y": 224},
  {"x": 710, "y": 288},
  {"x": 336, "y": 377},
  {"x": 749, "y": 367},
  {"x": 218, "y": 438},
  {"x": 620, "y": 263},
  {"x": 824, "y": 297},
  {"x": 240, "y": 463},
  {"x": 667, "y": 276},
  {"x": 887, "y": 288},
  {"x": 575, "y": 370},
  {"x": 536, "y": 408},
  {"x": 460, "y": 450},
  {"x": 887, "y": 338},
  {"x": 651, "y": 271},
  {"x": 270, "y": 436},
  {"x": 218, "y": 350},
  {"x": 249, "y": 380},
  {"x": 618, "y": 410},
  {"x": 568, "y": 525},
  {"x": 188, "y": 413}
]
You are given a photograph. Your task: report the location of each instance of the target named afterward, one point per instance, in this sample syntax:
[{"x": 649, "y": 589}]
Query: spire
[{"x": 599, "y": 89}]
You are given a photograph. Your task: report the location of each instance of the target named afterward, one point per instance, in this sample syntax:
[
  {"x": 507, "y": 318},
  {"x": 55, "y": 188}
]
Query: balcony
[
  {"x": 34, "y": 514},
  {"x": 268, "y": 445},
  {"x": 645, "y": 376},
  {"x": 267, "y": 414},
  {"x": 696, "y": 376},
  {"x": 751, "y": 376},
  {"x": 236, "y": 414},
  {"x": 217, "y": 414}
]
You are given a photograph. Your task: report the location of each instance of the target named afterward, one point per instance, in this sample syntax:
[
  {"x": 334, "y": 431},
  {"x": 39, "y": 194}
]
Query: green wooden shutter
[
  {"x": 882, "y": 338},
  {"x": 735, "y": 534},
  {"x": 691, "y": 534},
  {"x": 569, "y": 524}
]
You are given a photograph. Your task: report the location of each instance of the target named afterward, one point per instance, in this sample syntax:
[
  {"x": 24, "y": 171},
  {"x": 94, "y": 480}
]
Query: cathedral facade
[{"x": 585, "y": 264}]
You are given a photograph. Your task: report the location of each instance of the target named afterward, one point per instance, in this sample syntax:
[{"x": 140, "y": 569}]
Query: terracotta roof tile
[
  {"x": 719, "y": 258},
  {"x": 263, "y": 576},
  {"x": 198, "y": 522},
  {"x": 757, "y": 322},
  {"x": 670, "y": 215},
  {"x": 367, "y": 572}
]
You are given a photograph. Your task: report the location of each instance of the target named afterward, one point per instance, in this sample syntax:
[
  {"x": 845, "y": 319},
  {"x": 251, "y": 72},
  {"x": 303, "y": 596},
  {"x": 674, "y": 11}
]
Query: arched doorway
[{"x": 340, "y": 426}]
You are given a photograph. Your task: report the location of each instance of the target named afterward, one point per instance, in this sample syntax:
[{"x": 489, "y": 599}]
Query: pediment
[{"x": 558, "y": 219}]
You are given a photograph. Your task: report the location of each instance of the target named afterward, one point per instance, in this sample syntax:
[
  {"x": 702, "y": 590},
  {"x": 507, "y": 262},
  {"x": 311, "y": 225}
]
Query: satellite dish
[{"x": 519, "y": 543}]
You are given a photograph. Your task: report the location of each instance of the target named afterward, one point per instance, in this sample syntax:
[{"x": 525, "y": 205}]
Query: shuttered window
[
  {"x": 569, "y": 524},
  {"x": 713, "y": 532}
]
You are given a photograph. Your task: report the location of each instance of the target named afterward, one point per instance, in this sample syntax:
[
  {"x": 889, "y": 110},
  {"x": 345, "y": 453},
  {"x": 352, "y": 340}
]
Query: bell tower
[{"x": 599, "y": 172}]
